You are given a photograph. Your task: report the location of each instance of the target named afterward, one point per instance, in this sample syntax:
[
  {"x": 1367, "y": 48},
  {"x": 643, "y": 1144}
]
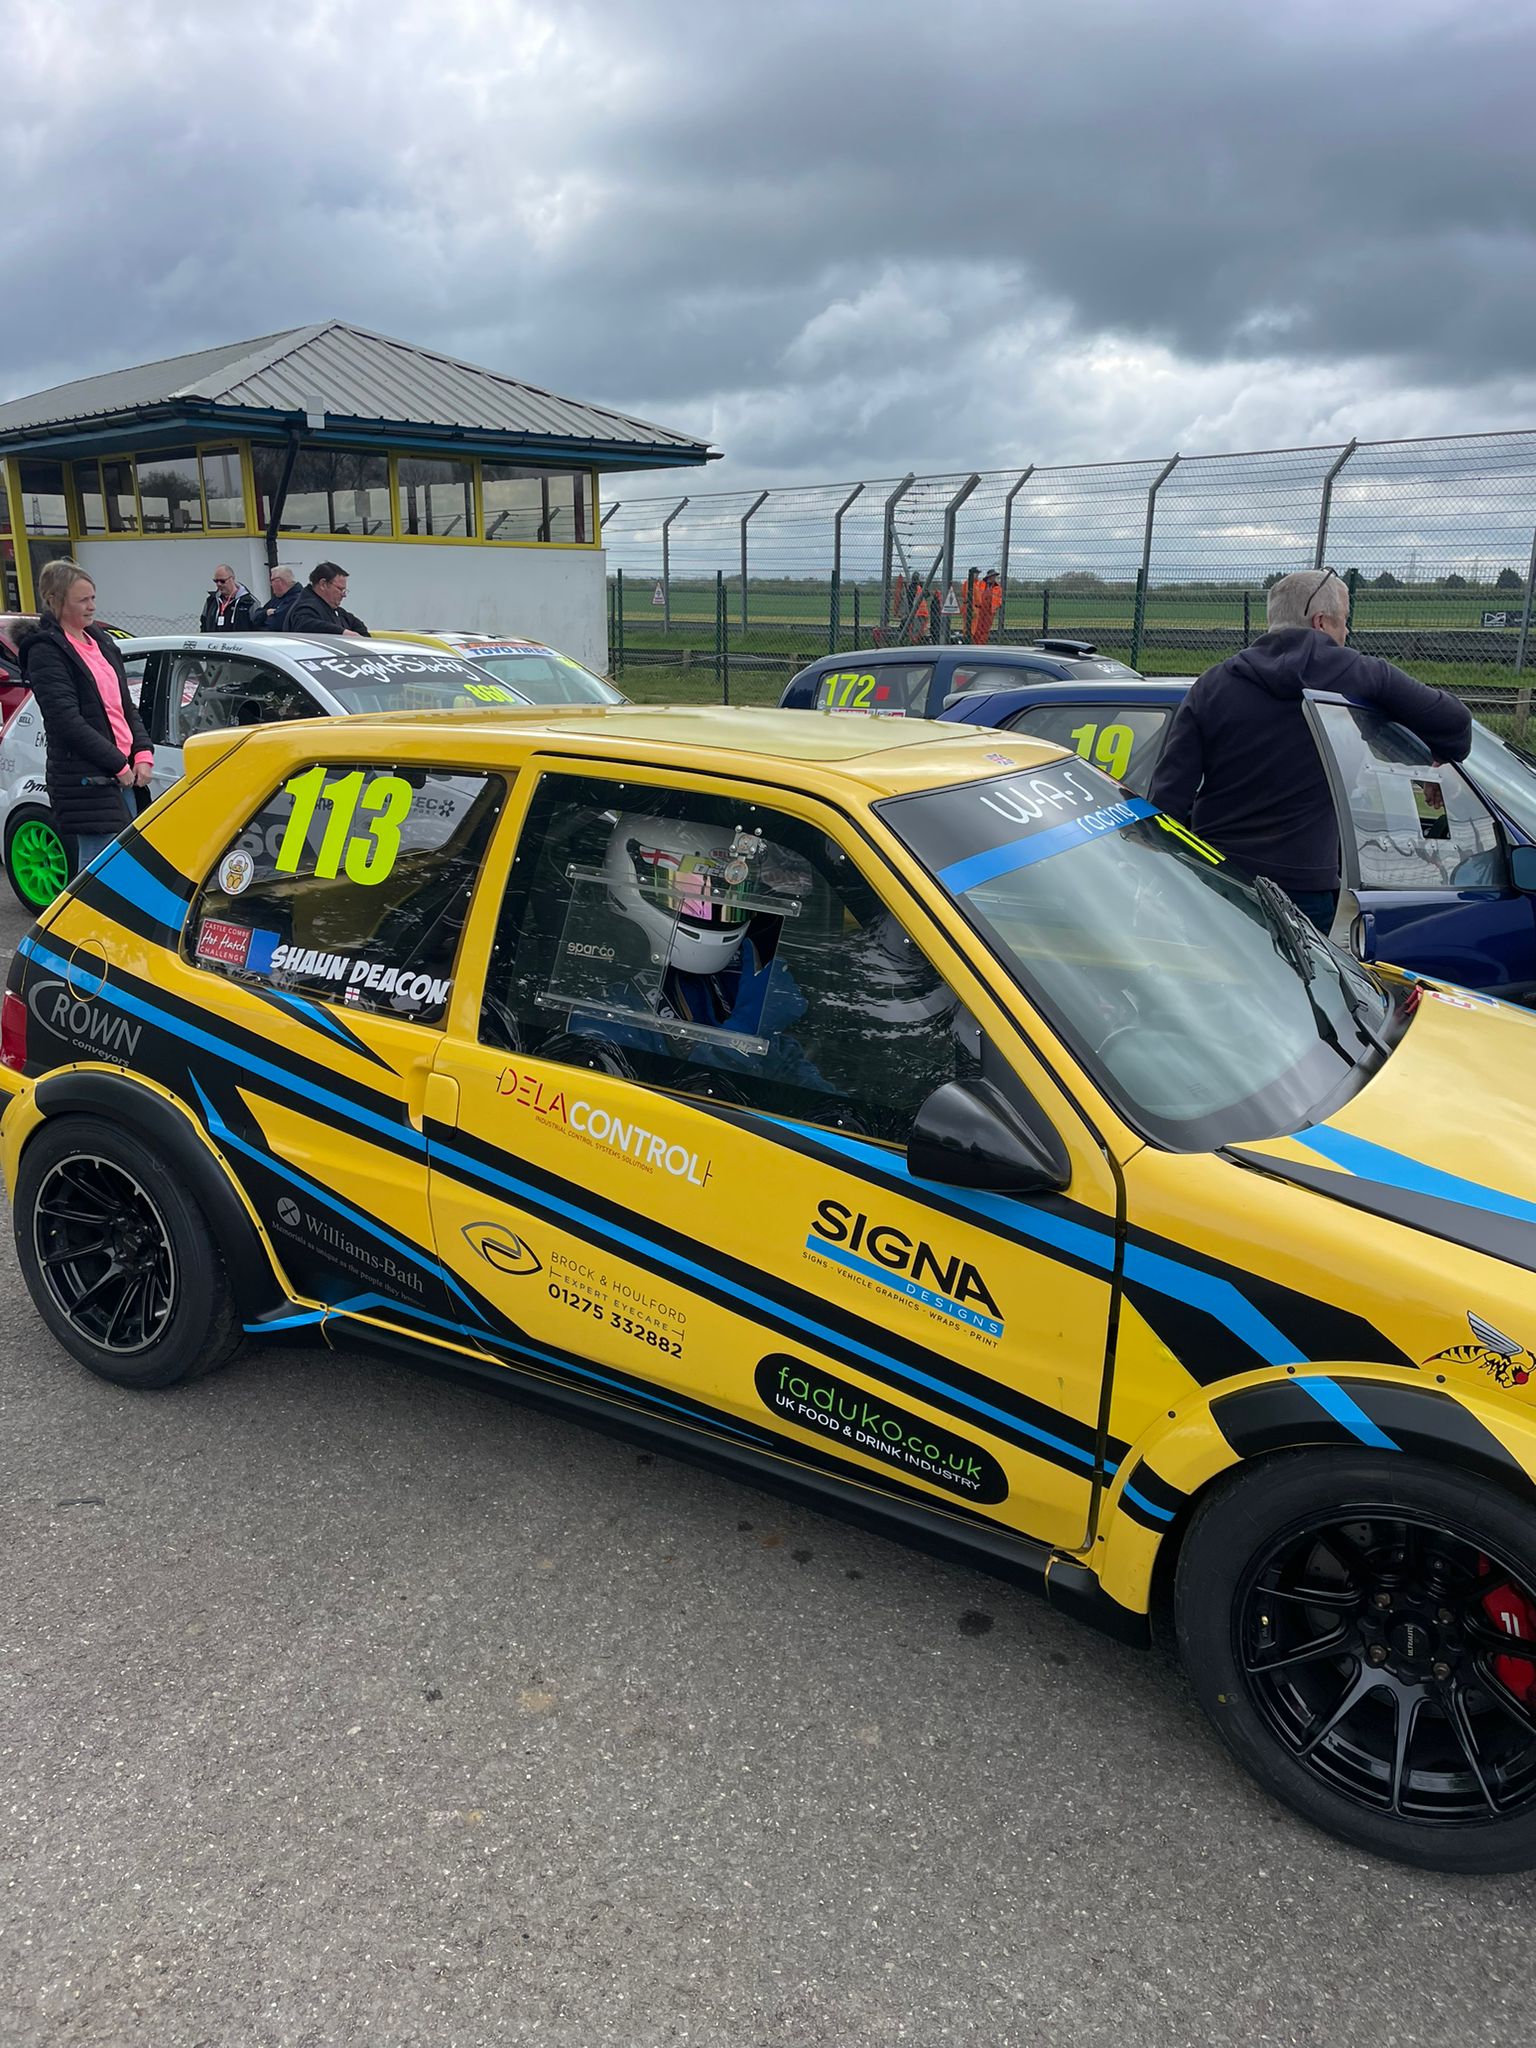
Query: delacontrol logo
[
  {"x": 502, "y": 1248},
  {"x": 817, "y": 1399},
  {"x": 598, "y": 1126},
  {"x": 892, "y": 1258}
]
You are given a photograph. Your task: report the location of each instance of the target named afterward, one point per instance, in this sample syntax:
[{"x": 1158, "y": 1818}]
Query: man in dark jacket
[
  {"x": 272, "y": 617},
  {"x": 319, "y": 608},
  {"x": 1240, "y": 765},
  {"x": 230, "y": 606},
  {"x": 94, "y": 786}
]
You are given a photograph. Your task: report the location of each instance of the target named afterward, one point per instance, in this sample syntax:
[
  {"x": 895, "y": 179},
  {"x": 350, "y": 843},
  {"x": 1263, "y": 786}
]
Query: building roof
[{"x": 358, "y": 380}]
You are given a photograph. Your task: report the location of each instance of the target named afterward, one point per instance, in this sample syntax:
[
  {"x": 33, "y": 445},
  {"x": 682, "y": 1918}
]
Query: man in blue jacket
[{"x": 1241, "y": 766}]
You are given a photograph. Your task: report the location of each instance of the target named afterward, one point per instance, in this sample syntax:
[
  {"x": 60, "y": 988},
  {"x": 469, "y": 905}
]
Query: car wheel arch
[
  {"x": 1172, "y": 1468},
  {"x": 159, "y": 1118}
]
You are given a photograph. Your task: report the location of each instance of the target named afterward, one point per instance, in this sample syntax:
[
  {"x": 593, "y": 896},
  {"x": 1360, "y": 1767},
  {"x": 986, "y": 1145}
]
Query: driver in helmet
[{"x": 694, "y": 897}]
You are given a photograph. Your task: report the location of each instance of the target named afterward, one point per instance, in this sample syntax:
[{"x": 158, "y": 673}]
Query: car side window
[
  {"x": 718, "y": 948},
  {"x": 1414, "y": 825},
  {"x": 1122, "y": 739},
  {"x": 351, "y": 884},
  {"x": 211, "y": 692},
  {"x": 897, "y": 689}
]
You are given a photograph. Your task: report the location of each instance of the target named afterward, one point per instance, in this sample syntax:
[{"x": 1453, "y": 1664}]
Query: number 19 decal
[
  {"x": 1106, "y": 746},
  {"x": 367, "y": 845}
]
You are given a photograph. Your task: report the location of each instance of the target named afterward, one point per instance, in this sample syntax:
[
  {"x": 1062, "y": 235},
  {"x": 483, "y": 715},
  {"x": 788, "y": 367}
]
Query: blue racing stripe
[
  {"x": 977, "y": 868},
  {"x": 1346, "y": 1411},
  {"x": 396, "y": 1129},
  {"x": 1147, "y": 1507},
  {"x": 1395, "y": 1170},
  {"x": 130, "y": 879}
]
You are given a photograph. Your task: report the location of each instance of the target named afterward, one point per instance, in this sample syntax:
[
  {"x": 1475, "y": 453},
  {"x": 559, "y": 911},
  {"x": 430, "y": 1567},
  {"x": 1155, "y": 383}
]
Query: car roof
[
  {"x": 886, "y": 755},
  {"x": 1084, "y": 690},
  {"x": 290, "y": 644}
]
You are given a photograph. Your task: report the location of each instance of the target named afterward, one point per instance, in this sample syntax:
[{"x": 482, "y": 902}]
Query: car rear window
[
  {"x": 350, "y": 883},
  {"x": 892, "y": 689},
  {"x": 1122, "y": 739}
]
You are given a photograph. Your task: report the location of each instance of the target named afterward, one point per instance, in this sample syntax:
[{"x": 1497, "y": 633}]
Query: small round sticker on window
[{"x": 236, "y": 872}]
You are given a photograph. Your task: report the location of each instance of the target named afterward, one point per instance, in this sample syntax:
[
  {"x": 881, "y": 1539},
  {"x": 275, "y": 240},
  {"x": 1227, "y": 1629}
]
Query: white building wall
[{"x": 559, "y": 595}]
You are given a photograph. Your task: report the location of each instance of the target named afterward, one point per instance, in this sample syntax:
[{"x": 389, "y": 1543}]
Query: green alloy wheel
[{"x": 36, "y": 860}]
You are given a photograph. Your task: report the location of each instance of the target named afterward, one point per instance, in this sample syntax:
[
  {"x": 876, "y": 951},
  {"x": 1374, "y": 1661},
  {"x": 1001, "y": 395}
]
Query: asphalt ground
[{"x": 341, "y": 1706}]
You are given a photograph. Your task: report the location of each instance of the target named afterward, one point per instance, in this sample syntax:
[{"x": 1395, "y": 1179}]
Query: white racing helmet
[{"x": 681, "y": 883}]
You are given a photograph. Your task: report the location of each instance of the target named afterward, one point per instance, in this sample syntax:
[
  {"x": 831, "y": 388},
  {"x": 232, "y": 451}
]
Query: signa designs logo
[{"x": 502, "y": 1248}]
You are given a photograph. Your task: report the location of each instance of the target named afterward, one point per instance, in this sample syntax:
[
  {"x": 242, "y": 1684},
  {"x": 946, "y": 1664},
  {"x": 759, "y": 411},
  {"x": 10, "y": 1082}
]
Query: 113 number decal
[{"x": 362, "y": 832}]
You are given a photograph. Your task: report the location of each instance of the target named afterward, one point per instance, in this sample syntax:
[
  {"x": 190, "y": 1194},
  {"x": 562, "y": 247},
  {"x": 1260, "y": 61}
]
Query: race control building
[{"x": 454, "y": 497}]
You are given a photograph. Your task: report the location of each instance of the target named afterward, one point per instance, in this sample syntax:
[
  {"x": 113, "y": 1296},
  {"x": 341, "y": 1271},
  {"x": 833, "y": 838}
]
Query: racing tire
[
  {"x": 1358, "y": 1629},
  {"x": 118, "y": 1259},
  {"x": 39, "y": 858}
]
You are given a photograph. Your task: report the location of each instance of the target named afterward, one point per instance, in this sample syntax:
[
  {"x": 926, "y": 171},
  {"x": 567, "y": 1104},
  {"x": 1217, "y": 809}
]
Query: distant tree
[
  {"x": 1455, "y": 582},
  {"x": 1273, "y": 578},
  {"x": 1078, "y": 579},
  {"x": 1386, "y": 581},
  {"x": 1508, "y": 579}
]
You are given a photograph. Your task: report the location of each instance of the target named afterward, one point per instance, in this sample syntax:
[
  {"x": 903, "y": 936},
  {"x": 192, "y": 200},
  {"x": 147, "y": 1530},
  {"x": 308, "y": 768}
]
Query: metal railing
[{"x": 1163, "y": 563}]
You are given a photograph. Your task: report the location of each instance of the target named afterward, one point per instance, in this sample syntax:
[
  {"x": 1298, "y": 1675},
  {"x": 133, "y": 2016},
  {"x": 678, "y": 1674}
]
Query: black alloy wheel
[
  {"x": 1362, "y": 1632},
  {"x": 118, "y": 1257},
  {"x": 105, "y": 1252}
]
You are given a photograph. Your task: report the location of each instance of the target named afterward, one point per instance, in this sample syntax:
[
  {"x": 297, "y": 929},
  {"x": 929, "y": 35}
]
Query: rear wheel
[
  {"x": 1362, "y": 1633},
  {"x": 37, "y": 857},
  {"x": 119, "y": 1261}
]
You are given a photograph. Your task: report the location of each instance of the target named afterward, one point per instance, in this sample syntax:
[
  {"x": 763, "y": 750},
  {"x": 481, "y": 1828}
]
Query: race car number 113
[{"x": 369, "y": 857}]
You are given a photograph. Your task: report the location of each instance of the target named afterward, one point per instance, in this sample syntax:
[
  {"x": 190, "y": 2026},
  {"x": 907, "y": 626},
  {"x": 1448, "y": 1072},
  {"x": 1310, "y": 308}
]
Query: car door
[
  {"x": 1122, "y": 739},
  {"x": 1424, "y": 861},
  {"x": 697, "y": 1202},
  {"x": 208, "y": 692}
]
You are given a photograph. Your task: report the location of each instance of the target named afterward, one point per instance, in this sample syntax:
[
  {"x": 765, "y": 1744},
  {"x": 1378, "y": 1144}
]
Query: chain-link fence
[{"x": 1163, "y": 563}]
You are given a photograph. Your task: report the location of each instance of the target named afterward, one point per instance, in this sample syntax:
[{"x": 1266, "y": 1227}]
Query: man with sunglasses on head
[{"x": 1240, "y": 766}]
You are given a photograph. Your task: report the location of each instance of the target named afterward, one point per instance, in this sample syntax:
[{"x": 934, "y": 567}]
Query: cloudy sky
[{"x": 837, "y": 242}]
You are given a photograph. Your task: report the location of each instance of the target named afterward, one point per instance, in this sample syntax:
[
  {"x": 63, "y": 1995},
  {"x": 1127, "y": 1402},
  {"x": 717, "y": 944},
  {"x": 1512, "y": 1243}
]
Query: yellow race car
[{"x": 892, "y": 1112}]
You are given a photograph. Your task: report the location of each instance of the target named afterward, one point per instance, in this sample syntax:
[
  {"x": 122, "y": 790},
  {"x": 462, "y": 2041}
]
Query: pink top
[{"x": 111, "y": 695}]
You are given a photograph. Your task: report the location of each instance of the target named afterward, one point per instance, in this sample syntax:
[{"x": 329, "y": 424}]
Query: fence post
[
  {"x": 722, "y": 638},
  {"x": 618, "y": 660},
  {"x": 1002, "y": 609},
  {"x": 857, "y": 634},
  {"x": 1325, "y": 508},
  {"x": 1247, "y": 618},
  {"x": 744, "y": 518},
  {"x": 950, "y": 511},
  {"x": 886, "y": 542},
  {"x": 1045, "y": 609},
  {"x": 1523, "y": 694},
  {"x": 1139, "y": 616},
  {"x": 666, "y": 565},
  {"x": 835, "y": 619}
]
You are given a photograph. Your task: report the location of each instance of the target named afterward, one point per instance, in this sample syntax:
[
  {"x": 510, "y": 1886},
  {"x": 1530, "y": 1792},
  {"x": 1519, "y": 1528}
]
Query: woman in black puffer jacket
[{"x": 99, "y": 755}]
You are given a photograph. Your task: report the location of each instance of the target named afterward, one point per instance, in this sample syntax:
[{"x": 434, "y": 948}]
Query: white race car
[{"x": 191, "y": 683}]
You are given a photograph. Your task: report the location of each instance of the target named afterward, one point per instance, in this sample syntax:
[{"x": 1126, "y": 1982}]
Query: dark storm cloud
[{"x": 835, "y": 241}]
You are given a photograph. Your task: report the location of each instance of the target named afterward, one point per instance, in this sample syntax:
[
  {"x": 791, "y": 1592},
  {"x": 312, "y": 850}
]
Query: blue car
[
  {"x": 1439, "y": 863},
  {"x": 918, "y": 681}
]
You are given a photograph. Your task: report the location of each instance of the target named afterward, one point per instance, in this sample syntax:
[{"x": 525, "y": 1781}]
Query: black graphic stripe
[
  {"x": 1477, "y": 1230},
  {"x": 1428, "y": 1422},
  {"x": 1278, "y": 1416}
]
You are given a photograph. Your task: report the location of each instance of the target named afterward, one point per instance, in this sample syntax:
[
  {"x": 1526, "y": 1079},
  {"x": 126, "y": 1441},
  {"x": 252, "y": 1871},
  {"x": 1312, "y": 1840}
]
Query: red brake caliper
[{"x": 1511, "y": 1612}]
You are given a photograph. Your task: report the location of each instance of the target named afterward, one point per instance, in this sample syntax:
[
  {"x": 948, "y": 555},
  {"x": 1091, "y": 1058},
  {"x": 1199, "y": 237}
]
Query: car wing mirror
[
  {"x": 967, "y": 1134},
  {"x": 1522, "y": 868}
]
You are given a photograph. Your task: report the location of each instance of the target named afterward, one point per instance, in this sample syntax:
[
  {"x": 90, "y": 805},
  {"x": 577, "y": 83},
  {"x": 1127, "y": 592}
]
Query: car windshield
[
  {"x": 1204, "y": 1004},
  {"x": 373, "y": 676},
  {"x": 542, "y": 676},
  {"x": 1505, "y": 775}
]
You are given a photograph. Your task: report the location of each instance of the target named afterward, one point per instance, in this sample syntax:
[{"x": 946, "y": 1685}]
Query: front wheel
[
  {"x": 37, "y": 857},
  {"x": 1361, "y": 1631},
  {"x": 118, "y": 1258}
]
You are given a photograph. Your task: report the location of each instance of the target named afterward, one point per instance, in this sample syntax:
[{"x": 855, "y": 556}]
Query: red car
[{"x": 14, "y": 627}]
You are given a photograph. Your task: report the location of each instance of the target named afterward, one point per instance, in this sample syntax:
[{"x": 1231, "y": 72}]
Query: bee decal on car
[{"x": 1504, "y": 1360}]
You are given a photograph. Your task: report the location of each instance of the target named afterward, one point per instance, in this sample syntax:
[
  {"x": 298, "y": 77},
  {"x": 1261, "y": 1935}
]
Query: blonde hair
[{"x": 56, "y": 581}]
